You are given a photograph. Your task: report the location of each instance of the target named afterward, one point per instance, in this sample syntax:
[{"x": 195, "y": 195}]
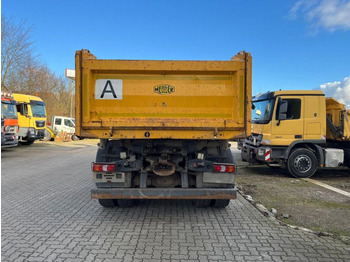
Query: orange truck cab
[{"x": 9, "y": 120}]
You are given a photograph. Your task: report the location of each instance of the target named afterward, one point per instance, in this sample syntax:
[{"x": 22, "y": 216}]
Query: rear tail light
[
  {"x": 224, "y": 168},
  {"x": 103, "y": 167}
]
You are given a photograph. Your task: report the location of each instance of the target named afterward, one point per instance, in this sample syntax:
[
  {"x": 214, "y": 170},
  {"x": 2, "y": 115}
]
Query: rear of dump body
[
  {"x": 140, "y": 99},
  {"x": 340, "y": 117}
]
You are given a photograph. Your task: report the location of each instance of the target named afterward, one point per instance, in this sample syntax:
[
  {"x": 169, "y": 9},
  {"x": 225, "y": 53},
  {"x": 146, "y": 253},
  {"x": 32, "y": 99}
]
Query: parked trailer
[
  {"x": 298, "y": 130},
  {"x": 163, "y": 126}
]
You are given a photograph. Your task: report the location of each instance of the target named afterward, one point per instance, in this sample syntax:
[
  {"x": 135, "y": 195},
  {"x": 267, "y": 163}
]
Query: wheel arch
[{"x": 315, "y": 147}]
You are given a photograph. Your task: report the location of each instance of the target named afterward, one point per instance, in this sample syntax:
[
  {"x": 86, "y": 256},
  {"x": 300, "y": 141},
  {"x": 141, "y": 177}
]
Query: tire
[
  {"x": 202, "y": 202},
  {"x": 27, "y": 143},
  {"x": 110, "y": 153},
  {"x": 101, "y": 155},
  {"x": 302, "y": 163},
  {"x": 75, "y": 138},
  {"x": 48, "y": 137},
  {"x": 228, "y": 157},
  {"x": 108, "y": 203},
  {"x": 126, "y": 202},
  {"x": 220, "y": 203}
]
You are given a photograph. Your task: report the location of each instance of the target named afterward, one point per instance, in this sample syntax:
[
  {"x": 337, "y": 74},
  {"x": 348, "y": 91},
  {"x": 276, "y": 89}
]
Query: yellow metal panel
[
  {"x": 337, "y": 111},
  {"x": 179, "y": 99},
  {"x": 314, "y": 119}
]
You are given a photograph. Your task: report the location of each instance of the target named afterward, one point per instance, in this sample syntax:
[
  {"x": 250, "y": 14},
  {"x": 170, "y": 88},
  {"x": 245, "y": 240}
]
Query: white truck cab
[
  {"x": 58, "y": 125},
  {"x": 62, "y": 123}
]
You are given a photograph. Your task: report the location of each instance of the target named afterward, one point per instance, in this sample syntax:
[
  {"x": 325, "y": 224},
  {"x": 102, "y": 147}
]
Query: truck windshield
[
  {"x": 8, "y": 110},
  {"x": 262, "y": 111},
  {"x": 38, "y": 108}
]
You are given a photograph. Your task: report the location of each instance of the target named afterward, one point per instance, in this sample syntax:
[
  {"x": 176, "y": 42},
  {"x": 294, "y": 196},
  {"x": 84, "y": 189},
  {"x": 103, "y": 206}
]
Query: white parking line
[{"x": 344, "y": 193}]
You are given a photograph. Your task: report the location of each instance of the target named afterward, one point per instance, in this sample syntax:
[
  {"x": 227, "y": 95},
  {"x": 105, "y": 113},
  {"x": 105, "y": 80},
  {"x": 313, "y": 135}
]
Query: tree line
[{"x": 22, "y": 70}]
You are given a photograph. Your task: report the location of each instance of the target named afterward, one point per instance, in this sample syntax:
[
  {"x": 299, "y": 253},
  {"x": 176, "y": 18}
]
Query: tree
[
  {"x": 23, "y": 72},
  {"x": 16, "y": 50}
]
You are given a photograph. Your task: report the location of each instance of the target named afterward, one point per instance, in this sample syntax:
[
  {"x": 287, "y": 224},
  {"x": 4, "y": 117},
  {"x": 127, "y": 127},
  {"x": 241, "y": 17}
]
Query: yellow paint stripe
[
  {"x": 162, "y": 115},
  {"x": 156, "y": 77},
  {"x": 337, "y": 190}
]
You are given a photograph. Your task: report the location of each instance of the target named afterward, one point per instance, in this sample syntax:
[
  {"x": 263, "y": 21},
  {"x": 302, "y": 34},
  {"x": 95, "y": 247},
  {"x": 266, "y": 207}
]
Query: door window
[
  {"x": 58, "y": 121},
  {"x": 294, "y": 109},
  {"x": 22, "y": 109},
  {"x": 68, "y": 123}
]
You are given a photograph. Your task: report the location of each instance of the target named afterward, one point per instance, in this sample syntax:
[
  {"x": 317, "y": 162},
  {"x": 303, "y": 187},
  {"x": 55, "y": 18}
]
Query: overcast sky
[{"x": 294, "y": 44}]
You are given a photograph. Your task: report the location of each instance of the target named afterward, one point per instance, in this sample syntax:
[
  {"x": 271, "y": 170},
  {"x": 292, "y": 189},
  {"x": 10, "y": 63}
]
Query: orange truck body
[{"x": 9, "y": 120}]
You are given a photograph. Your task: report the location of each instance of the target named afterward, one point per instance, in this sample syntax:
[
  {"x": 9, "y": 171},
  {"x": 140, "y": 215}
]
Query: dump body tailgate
[{"x": 138, "y": 99}]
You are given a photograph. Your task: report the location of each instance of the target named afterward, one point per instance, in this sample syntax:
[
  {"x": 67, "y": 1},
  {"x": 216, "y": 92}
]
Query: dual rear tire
[
  {"x": 123, "y": 203},
  {"x": 220, "y": 203}
]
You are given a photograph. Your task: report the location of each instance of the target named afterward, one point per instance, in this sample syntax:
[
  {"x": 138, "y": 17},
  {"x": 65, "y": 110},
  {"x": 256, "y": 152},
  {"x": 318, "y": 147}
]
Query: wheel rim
[{"x": 302, "y": 163}]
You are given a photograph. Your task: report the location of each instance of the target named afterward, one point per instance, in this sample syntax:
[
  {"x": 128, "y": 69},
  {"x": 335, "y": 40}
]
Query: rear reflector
[
  {"x": 268, "y": 155},
  {"x": 103, "y": 167},
  {"x": 224, "y": 168}
]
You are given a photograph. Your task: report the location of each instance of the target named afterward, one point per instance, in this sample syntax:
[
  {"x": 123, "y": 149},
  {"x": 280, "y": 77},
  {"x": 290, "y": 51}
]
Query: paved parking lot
[{"x": 47, "y": 215}]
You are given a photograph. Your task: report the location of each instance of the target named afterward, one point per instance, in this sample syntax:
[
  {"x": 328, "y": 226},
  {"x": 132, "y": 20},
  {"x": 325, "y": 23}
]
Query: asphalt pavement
[{"x": 47, "y": 215}]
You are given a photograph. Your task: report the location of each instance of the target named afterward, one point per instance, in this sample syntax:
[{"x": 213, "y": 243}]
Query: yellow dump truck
[
  {"x": 299, "y": 131},
  {"x": 163, "y": 126},
  {"x": 31, "y": 118}
]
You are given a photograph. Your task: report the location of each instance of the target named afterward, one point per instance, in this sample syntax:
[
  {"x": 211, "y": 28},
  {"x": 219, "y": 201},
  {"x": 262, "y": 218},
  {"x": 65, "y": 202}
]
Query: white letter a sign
[{"x": 109, "y": 89}]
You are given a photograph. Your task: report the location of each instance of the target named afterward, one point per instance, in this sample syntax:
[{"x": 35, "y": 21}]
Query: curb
[{"x": 270, "y": 216}]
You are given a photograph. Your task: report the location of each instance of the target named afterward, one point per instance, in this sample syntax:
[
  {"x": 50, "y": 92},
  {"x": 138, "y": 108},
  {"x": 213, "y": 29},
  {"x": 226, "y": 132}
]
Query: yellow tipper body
[
  {"x": 340, "y": 117},
  {"x": 144, "y": 99}
]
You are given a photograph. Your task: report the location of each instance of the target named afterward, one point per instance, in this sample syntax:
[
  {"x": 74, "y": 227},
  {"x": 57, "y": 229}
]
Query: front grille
[{"x": 40, "y": 123}]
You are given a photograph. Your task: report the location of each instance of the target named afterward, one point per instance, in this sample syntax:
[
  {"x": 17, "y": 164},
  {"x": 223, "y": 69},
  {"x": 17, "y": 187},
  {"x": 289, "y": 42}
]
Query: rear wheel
[
  {"x": 47, "y": 137},
  {"x": 202, "y": 202},
  {"x": 228, "y": 157},
  {"x": 221, "y": 202},
  {"x": 75, "y": 138},
  {"x": 302, "y": 163},
  {"x": 126, "y": 202},
  {"x": 108, "y": 202}
]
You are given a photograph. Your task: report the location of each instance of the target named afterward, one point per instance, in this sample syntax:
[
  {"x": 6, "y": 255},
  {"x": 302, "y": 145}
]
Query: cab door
[
  {"x": 58, "y": 125},
  {"x": 68, "y": 126},
  {"x": 23, "y": 118},
  {"x": 314, "y": 120},
  {"x": 286, "y": 131}
]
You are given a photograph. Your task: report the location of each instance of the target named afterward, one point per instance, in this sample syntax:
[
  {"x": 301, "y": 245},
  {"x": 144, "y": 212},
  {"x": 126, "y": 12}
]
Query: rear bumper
[
  {"x": 251, "y": 153},
  {"x": 164, "y": 193}
]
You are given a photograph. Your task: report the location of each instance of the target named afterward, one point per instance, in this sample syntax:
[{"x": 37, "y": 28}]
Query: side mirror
[{"x": 282, "y": 110}]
